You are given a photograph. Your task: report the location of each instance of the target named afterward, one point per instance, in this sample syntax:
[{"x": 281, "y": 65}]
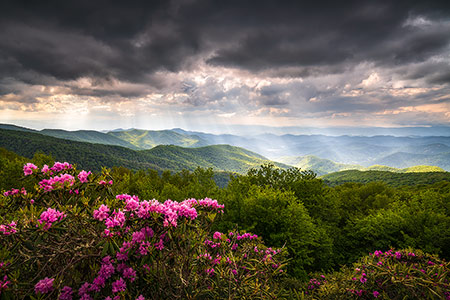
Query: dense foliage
[
  {"x": 69, "y": 236},
  {"x": 404, "y": 274},
  {"x": 322, "y": 166},
  {"x": 164, "y": 157},
  {"x": 320, "y": 228},
  {"x": 391, "y": 178}
]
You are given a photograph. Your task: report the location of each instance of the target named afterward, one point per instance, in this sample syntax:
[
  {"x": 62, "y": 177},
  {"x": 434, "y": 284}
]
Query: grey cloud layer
[{"x": 126, "y": 48}]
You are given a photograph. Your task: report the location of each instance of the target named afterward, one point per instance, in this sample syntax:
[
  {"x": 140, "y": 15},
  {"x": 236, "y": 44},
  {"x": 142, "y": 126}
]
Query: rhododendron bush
[
  {"x": 70, "y": 237},
  {"x": 402, "y": 274}
]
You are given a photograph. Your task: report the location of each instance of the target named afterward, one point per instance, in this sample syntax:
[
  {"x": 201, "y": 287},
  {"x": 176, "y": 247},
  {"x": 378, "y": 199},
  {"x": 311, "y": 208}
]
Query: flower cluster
[
  {"x": 58, "y": 167},
  {"x": 4, "y": 284},
  {"x": 102, "y": 213},
  {"x": 83, "y": 176},
  {"x": 28, "y": 169},
  {"x": 102, "y": 182},
  {"x": 8, "y": 229},
  {"x": 387, "y": 275},
  {"x": 170, "y": 210},
  {"x": 50, "y": 216},
  {"x": 147, "y": 247},
  {"x": 13, "y": 192},
  {"x": 44, "y": 286},
  {"x": 57, "y": 181}
]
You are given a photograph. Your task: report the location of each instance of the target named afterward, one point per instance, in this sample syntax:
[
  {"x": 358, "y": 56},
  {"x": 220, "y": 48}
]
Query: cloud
[{"x": 232, "y": 59}]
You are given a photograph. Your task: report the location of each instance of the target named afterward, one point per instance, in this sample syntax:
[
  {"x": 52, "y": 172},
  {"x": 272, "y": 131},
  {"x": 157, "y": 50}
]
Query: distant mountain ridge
[
  {"x": 325, "y": 166},
  {"x": 390, "y": 178},
  {"x": 397, "y": 152},
  {"x": 89, "y": 136},
  {"x": 146, "y": 139},
  {"x": 94, "y": 156}
]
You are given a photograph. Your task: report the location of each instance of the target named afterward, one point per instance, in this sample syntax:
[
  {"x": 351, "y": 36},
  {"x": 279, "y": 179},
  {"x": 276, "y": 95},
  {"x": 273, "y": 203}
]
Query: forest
[{"x": 321, "y": 229}]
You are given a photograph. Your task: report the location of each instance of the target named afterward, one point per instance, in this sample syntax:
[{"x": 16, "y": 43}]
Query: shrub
[
  {"x": 70, "y": 237},
  {"x": 403, "y": 274}
]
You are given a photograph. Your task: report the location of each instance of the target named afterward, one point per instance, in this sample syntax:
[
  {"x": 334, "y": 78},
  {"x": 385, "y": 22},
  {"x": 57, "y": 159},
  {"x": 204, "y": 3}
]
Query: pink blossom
[
  {"x": 160, "y": 245},
  {"x": 102, "y": 182},
  {"x": 45, "y": 169},
  {"x": 8, "y": 229},
  {"x": 66, "y": 293},
  {"x": 101, "y": 213},
  {"x": 129, "y": 274},
  {"x": 44, "y": 286},
  {"x": 57, "y": 181},
  {"x": 217, "y": 235},
  {"x": 117, "y": 218},
  {"x": 12, "y": 192},
  {"x": 57, "y": 167},
  {"x": 28, "y": 169},
  {"x": 50, "y": 216},
  {"x": 119, "y": 285},
  {"x": 377, "y": 253},
  {"x": 83, "y": 176},
  {"x": 4, "y": 284},
  {"x": 376, "y": 294}
]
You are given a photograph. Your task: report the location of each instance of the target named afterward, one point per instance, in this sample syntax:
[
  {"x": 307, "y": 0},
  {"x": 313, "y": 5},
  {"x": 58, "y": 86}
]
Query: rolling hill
[
  {"x": 323, "y": 166},
  {"x": 89, "y": 136},
  {"x": 341, "y": 151},
  {"x": 390, "y": 178},
  {"x": 93, "y": 156},
  {"x": 146, "y": 139}
]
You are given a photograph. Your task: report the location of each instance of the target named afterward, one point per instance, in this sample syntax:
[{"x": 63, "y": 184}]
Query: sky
[{"x": 206, "y": 65}]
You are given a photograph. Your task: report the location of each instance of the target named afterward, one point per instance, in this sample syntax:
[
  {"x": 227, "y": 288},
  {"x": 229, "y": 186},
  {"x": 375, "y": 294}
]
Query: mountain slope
[
  {"x": 89, "y": 136},
  {"x": 318, "y": 165},
  {"x": 323, "y": 166},
  {"x": 405, "y": 160},
  {"x": 17, "y": 128},
  {"x": 146, "y": 139},
  {"x": 94, "y": 156},
  {"x": 391, "y": 178}
]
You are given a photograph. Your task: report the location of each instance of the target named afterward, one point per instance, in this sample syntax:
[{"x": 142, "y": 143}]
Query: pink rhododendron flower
[
  {"x": 376, "y": 294},
  {"x": 129, "y": 274},
  {"x": 57, "y": 167},
  {"x": 28, "y": 169},
  {"x": 44, "y": 286},
  {"x": 45, "y": 169},
  {"x": 4, "y": 284},
  {"x": 102, "y": 213},
  {"x": 8, "y": 229},
  {"x": 57, "y": 181},
  {"x": 102, "y": 182},
  {"x": 66, "y": 293},
  {"x": 50, "y": 216},
  {"x": 119, "y": 285},
  {"x": 83, "y": 176},
  {"x": 217, "y": 235}
]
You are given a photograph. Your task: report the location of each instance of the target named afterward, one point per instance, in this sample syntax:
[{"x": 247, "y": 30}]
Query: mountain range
[
  {"x": 323, "y": 154},
  {"x": 323, "y": 166},
  {"x": 221, "y": 158}
]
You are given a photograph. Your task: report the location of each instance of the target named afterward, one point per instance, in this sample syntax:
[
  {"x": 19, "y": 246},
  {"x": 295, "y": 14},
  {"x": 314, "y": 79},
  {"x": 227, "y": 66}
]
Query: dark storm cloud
[
  {"x": 131, "y": 40},
  {"x": 321, "y": 39}
]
